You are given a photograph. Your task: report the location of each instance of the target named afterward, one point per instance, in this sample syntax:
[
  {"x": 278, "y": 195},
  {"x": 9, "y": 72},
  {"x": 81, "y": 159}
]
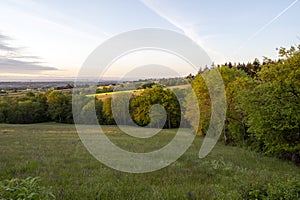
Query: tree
[
  {"x": 107, "y": 111},
  {"x": 99, "y": 110},
  {"x": 120, "y": 109},
  {"x": 272, "y": 107},
  {"x": 202, "y": 94},
  {"x": 190, "y": 114},
  {"x": 157, "y": 115},
  {"x": 140, "y": 106},
  {"x": 229, "y": 75},
  {"x": 60, "y": 107},
  {"x": 234, "y": 80},
  {"x": 236, "y": 129},
  {"x": 4, "y": 108}
]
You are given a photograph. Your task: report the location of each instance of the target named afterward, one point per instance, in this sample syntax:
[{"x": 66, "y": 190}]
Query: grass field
[
  {"x": 103, "y": 96},
  {"x": 55, "y": 153}
]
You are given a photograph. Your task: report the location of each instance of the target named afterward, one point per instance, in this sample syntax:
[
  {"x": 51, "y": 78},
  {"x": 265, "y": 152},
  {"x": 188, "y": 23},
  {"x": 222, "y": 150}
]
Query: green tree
[
  {"x": 4, "y": 108},
  {"x": 60, "y": 107},
  {"x": 140, "y": 106},
  {"x": 272, "y": 107},
  {"x": 234, "y": 120},
  {"x": 120, "y": 103},
  {"x": 235, "y": 128},
  {"x": 99, "y": 110},
  {"x": 203, "y": 97},
  {"x": 107, "y": 111}
]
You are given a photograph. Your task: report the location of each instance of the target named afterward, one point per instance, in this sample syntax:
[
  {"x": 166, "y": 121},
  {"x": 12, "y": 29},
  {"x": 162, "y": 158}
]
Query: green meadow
[{"x": 55, "y": 153}]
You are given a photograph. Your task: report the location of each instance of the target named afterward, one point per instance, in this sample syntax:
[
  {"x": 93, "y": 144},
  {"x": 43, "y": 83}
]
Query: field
[
  {"x": 103, "y": 96},
  {"x": 55, "y": 153}
]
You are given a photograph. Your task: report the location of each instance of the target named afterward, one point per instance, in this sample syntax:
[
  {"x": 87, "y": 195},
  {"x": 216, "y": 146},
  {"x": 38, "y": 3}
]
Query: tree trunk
[{"x": 169, "y": 120}]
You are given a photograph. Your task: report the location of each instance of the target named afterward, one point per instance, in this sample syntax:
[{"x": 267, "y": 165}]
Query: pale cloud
[
  {"x": 12, "y": 60},
  {"x": 4, "y": 47},
  {"x": 3, "y": 44},
  {"x": 62, "y": 40},
  {"x": 8, "y": 65}
]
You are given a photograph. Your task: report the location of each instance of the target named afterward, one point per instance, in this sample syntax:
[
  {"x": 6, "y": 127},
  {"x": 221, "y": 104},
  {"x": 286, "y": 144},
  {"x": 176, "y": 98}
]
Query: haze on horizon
[{"x": 50, "y": 40}]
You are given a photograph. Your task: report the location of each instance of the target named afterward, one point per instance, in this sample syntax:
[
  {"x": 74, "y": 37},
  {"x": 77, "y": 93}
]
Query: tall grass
[{"x": 55, "y": 153}]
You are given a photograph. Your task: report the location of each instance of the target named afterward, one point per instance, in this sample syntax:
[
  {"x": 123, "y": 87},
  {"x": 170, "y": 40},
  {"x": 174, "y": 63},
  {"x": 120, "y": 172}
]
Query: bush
[
  {"x": 28, "y": 188},
  {"x": 289, "y": 189}
]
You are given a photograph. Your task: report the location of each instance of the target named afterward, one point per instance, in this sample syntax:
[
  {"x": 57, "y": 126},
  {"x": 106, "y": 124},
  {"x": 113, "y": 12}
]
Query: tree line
[{"x": 262, "y": 105}]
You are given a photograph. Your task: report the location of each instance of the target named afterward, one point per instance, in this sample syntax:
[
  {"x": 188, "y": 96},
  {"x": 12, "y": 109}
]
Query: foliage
[
  {"x": 272, "y": 108},
  {"x": 86, "y": 108},
  {"x": 140, "y": 106},
  {"x": 234, "y": 130},
  {"x": 173, "y": 81},
  {"x": 202, "y": 94},
  {"x": 28, "y": 188},
  {"x": 288, "y": 190},
  {"x": 26, "y": 110},
  {"x": 229, "y": 75},
  {"x": 147, "y": 85},
  {"x": 60, "y": 107},
  {"x": 107, "y": 111},
  {"x": 56, "y": 106},
  {"x": 104, "y": 89},
  {"x": 262, "y": 105}
]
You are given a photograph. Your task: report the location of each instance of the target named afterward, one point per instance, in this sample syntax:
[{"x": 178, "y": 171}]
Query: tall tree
[
  {"x": 272, "y": 107},
  {"x": 107, "y": 111},
  {"x": 140, "y": 106}
]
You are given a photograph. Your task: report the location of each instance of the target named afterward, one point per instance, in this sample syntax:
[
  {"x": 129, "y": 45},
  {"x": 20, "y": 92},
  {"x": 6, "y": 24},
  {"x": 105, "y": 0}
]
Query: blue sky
[{"x": 52, "y": 38}]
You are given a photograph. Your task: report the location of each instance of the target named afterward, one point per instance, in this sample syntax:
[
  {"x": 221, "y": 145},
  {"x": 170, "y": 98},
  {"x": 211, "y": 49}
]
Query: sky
[{"x": 51, "y": 39}]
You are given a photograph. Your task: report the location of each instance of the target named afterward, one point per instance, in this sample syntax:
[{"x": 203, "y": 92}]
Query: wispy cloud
[
  {"x": 3, "y": 44},
  {"x": 5, "y": 47},
  {"x": 4, "y": 37},
  {"x": 188, "y": 30},
  {"x": 187, "y": 27},
  {"x": 12, "y": 60},
  {"x": 16, "y": 66},
  {"x": 254, "y": 35}
]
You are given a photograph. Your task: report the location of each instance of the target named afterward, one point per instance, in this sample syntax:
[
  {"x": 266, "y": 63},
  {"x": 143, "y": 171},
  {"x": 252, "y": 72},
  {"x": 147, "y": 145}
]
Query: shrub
[
  {"x": 289, "y": 189},
  {"x": 28, "y": 188}
]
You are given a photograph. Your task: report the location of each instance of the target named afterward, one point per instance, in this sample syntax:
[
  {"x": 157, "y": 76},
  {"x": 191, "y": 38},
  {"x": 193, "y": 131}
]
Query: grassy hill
[
  {"x": 105, "y": 95},
  {"x": 55, "y": 153}
]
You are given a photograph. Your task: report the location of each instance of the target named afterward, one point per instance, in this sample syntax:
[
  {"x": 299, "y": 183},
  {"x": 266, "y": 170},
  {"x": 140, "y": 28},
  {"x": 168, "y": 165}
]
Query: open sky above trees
[{"x": 53, "y": 38}]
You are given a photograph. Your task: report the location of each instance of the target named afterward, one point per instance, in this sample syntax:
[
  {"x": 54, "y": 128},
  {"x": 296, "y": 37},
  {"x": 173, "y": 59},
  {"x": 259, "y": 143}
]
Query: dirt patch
[
  {"x": 110, "y": 131},
  {"x": 7, "y": 131},
  {"x": 62, "y": 132}
]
